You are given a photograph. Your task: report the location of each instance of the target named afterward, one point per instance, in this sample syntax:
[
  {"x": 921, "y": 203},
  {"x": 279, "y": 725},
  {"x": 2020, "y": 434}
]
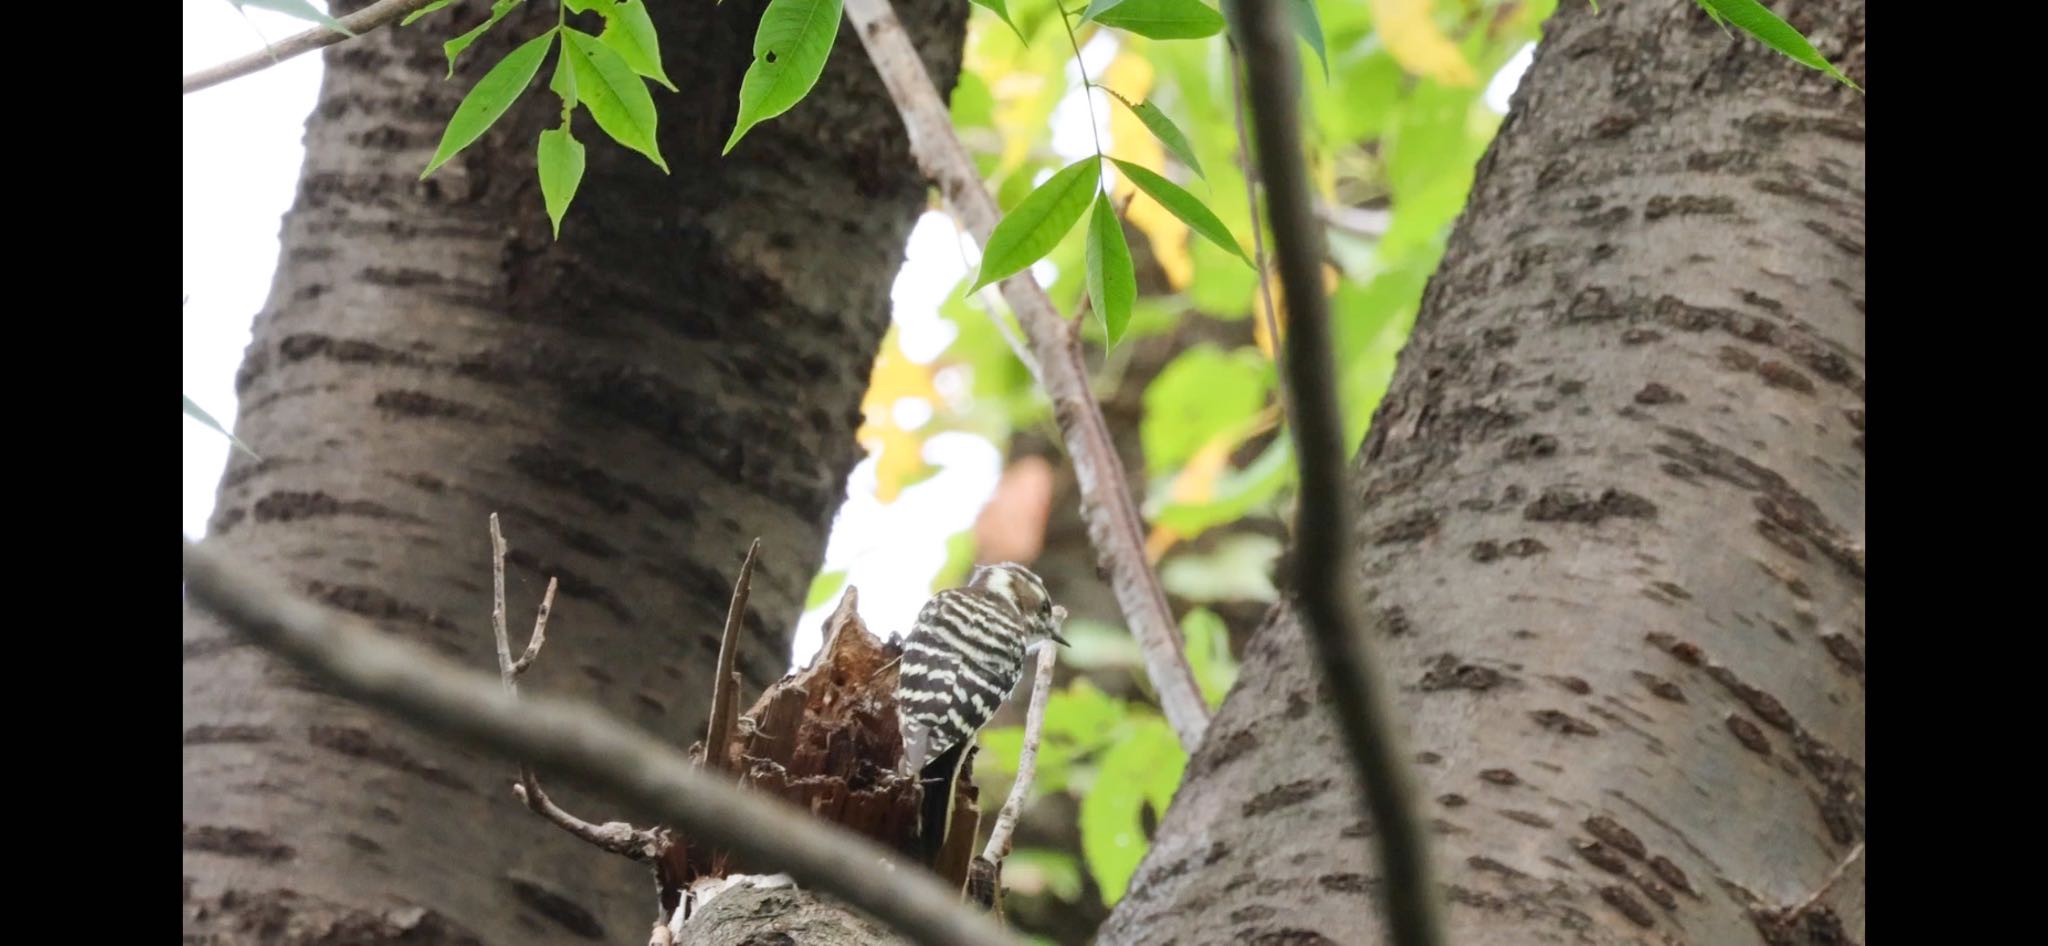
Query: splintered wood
[{"x": 826, "y": 739}]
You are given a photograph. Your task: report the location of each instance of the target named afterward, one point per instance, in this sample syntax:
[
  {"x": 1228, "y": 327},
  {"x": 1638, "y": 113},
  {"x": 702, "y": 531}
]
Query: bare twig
[
  {"x": 1114, "y": 526},
  {"x": 362, "y": 21},
  {"x": 724, "y": 684},
  {"x": 582, "y": 742},
  {"x": 1027, "y": 761},
  {"x": 1855, "y": 854},
  {"x": 1251, "y": 196},
  {"x": 1323, "y": 576},
  {"x": 540, "y": 631},
  {"x": 618, "y": 837}
]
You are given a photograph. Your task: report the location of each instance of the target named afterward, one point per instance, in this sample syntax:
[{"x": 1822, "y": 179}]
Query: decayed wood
[{"x": 826, "y": 739}]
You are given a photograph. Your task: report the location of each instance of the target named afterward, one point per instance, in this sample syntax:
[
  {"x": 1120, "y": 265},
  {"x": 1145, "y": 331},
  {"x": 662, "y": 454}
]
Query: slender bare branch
[
  {"x": 725, "y": 702},
  {"x": 582, "y": 742},
  {"x": 362, "y": 21},
  {"x": 540, "y": 631},
  {"x": 1324, "y": 578},
  {"x": 1855, "y": 854},
  {"x": 1027, "y": 761},
  {"x": 1114, "y": 526},
  {"x": 1251, "y": 196},
  {"x": 504, "y": 639},
  {"x": 618, "y": 837}
]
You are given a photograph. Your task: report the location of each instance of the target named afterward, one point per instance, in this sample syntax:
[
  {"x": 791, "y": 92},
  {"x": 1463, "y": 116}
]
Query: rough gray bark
[
  {"x": 1612, "y": 524},
  {"x": 734, "y": 918},
  {"x": 680, "y": 373}
]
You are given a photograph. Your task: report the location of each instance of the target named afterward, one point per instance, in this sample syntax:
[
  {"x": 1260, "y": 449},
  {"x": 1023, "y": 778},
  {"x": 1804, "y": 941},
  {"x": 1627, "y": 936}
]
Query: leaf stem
[{"x": 1086, "y": 87}]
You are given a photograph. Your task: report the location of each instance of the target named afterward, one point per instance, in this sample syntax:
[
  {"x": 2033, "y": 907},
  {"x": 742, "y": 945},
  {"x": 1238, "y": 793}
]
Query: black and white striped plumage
[{"x": 965, "y": 655}]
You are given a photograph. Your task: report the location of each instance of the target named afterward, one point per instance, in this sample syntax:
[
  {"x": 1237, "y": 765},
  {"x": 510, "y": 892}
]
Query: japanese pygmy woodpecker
[{"x": 960, "y": 662}]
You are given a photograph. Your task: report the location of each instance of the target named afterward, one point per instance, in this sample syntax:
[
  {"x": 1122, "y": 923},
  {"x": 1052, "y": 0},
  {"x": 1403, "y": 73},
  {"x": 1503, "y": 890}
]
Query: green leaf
[
  {"x": 824, "y": 588},
  {"x": 1026, "y": 234},
  {"x": 1162, "y": 19},
  {"x": 614, "y": 94},
  {"x": 561, "y": 169},
  {"x": 960, "y": 547},
  {"x": 454, "y": 47},
  {"x": 790, "y": 49},
  {"x": 1055, "y": 871},
  {"x": 1208, "y": 650},
  {"x": 194, "y": 411},
  {"x": 1712, "y": 14},
  {"x": 1203, "y": 392},
  {"x": 1163, "y": 129},
  {"x": 1184, "y": 205},
  {"x": 1309, "y": 24},
  {"x": 1112, "y": 280},
  {"x": 1238, "y": 568},
  {"x": 410, "y": 18},
  {"x": 1001, "y": 8},
  {"x": 563, "y": 84},
  {"x": 973, "y": 105},
  {"x": 1751, "y": 17},
  {"x": 1237, "y": 493},
  {"x": 1083, "y": 717},
  {"x": 629, "y": 31},
  {"x": 1095, "y": 645},
  {"x": 1097, "y": 8},
  {"x": 492, "y": 95},
  {"x": 1143, "y": 768},
  {"x": 297, "y": 9}
]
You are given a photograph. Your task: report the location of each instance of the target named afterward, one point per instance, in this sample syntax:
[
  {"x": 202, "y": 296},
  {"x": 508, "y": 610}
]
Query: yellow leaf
[
  {"x": 1027, "y": 83},
  {"x": 898, "y": 453},
  {"x": 1130, "y": 74},
  {"x": 1331, "y": 276},
  {"x": 899, "y": 458},
  {"x": 1196, "y": 482},
  {"x": 1415, "y": 42}
]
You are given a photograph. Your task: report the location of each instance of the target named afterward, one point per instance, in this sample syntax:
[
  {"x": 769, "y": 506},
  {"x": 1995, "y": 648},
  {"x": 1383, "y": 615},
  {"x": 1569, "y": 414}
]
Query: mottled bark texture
[
  {"x": 800, "y": 918},
  {"x": 680, "y": 373},
  {"x": 1612, "y": 527}
]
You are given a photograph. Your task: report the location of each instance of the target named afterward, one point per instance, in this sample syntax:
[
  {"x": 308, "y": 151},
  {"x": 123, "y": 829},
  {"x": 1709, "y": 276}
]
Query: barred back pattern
[{"x": 960, "y": 662}]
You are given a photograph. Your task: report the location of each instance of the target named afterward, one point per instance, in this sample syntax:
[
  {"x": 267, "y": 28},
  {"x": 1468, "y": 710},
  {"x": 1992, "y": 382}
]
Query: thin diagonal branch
[
  {"x": 579, "y": 741},
  {"x": 1855, "y": 854},
  {"x": 1251, "y": 196},
  {"x": 618, "y": 837},
  {"x": 1027, "y": 761},
  {"x": 1114, "y": 527},
  {"x": 1324, "y": 578},
  {"x": 378, "y": 14},
  {"x": 725, "y": 704}
]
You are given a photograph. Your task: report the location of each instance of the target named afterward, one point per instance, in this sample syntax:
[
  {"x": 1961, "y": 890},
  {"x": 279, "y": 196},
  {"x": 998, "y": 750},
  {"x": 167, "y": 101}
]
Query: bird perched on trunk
[{"x": 960, "y": 662}]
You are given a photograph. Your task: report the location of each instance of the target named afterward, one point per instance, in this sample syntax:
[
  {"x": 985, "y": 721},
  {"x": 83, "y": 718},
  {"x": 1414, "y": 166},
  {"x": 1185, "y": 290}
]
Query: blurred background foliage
[{"x": 1414, "y": 92}]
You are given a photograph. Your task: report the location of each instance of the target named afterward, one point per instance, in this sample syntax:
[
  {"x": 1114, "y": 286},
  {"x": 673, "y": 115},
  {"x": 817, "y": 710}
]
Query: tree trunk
[
  {"x": 1613, "y": 520},
  {"x": 680, "y": 373},
  {"x": 799, "y": 918}
]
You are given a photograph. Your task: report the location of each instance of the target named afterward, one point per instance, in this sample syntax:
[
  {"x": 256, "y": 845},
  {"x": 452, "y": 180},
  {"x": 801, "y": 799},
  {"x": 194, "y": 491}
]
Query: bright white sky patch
[
  {"x": 1504, "y": 83},
  {"x": 242, "y": 152}
]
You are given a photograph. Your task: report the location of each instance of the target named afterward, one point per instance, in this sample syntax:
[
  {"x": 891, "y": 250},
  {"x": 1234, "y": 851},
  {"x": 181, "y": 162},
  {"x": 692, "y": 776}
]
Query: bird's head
[{"x": 1024, "y": 591}]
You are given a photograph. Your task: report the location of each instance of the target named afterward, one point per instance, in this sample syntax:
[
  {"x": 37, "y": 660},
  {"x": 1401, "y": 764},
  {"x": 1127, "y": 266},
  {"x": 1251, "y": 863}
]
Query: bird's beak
[
  {"x": 1059, "y": 617},
  {"x": 1058, "y": 639}
]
